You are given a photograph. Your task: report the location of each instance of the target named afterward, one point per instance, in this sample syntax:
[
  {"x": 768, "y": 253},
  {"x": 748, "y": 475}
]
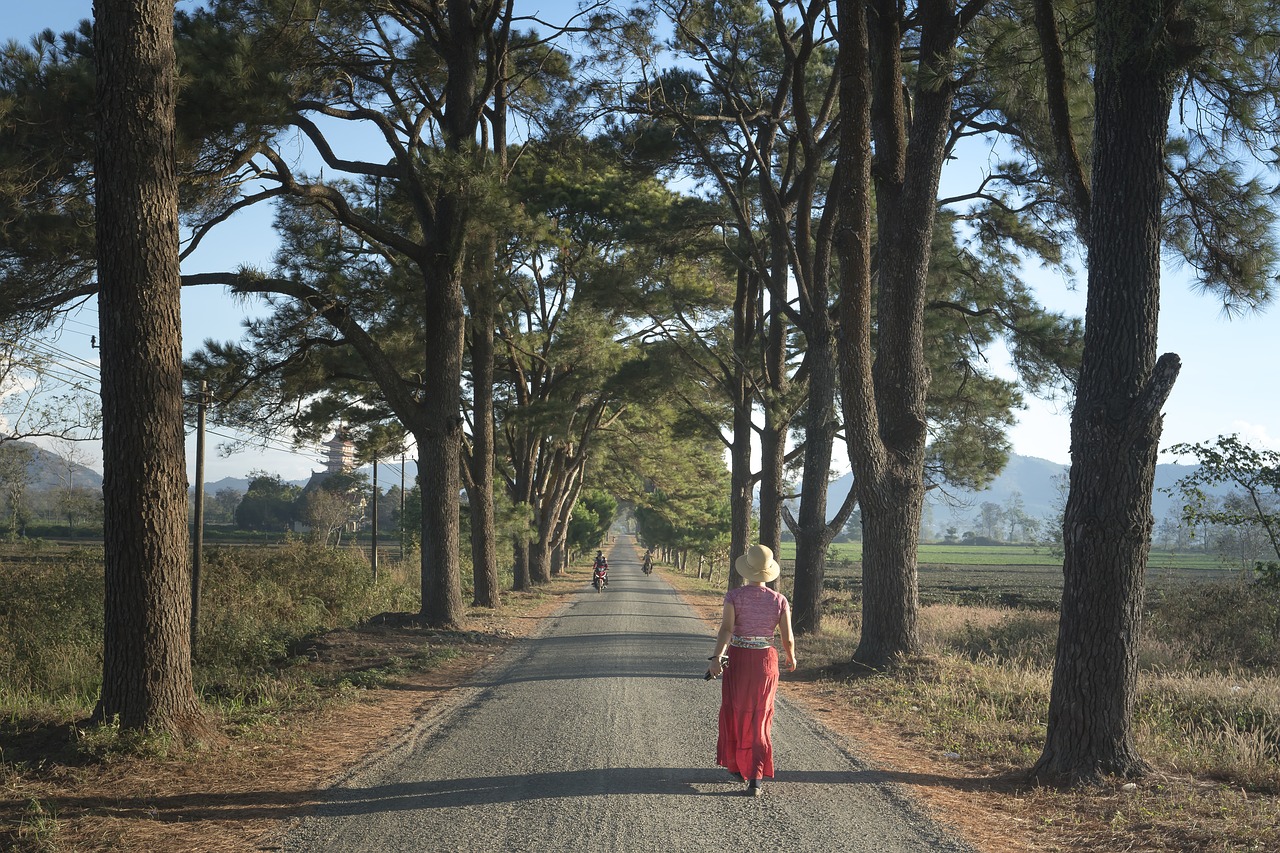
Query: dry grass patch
[
  {"x": 1222, "y": 727},
  {"x": 368, "y": 684},
  {"x": 939, "y": 621},
  {"x": 961, "y": 725}
]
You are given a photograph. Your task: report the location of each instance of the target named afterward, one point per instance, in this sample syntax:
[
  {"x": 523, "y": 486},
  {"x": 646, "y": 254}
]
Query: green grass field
[
  {"x": 936, "y": 553},
  {"x": 1010, "y": 575}
]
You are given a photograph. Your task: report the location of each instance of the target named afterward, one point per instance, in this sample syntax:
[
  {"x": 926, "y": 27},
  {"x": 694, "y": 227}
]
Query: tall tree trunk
[
  {"x": 740, "y": 479},
  {"x": 521, "y": 489},
  {"x": 484, "y": 541},
  {"x": 1116, "y": 423},
  {"x": 520, "y": 563},
  {"x": 540, "y": 548},
  {"x": 484, "y": 545},
  {"x": 888, "y": 603},
  {"x": 439, "y": 438},
  {"x": 813, "y": 535},
  {"x": 540, "y": 556},
  {"x": 439, "y": 433},
  {"x": 884, "y": 399},
  {"x": 773, "y": 460},
  {"x": 560, "y": 557},
  {"x": 773, "y": 438},
  {"x": 557, "y": 550},
  {"x": 890, "y": 594},
  {"x": 809, "y": 256},
  {"x": 550, "y": 497},
  {"x": 146, "y": 667}
]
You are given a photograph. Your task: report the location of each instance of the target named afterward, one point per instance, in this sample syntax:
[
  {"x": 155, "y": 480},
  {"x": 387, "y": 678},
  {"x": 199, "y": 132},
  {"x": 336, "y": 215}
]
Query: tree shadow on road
[{"x": 475, "y": 791}]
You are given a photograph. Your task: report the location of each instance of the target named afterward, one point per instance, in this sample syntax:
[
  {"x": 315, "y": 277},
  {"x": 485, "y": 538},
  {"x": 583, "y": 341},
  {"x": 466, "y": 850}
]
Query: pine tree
[
  {"x": 1144, "y": 52},
  {"x": 146, "y": 669}
]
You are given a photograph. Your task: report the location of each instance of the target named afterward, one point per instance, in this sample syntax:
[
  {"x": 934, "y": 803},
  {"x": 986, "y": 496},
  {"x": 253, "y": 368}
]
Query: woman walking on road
[{"x": 752, "y": 614}]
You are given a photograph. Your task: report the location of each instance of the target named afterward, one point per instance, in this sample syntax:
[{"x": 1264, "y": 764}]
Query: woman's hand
[
  {"x": 791, "y": 661},
  {"x": 717, "y": 666}
]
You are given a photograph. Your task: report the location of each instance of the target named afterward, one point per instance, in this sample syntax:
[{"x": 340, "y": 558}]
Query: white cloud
[
  {"x": 1255, "y": 435},
  {"x": 18, "y": 382}
]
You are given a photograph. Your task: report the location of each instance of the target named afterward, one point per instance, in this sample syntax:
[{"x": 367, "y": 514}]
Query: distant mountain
[
  {"x": 47, "y": 471},
  {"x": 1037, "y": 480},
  {"x": 388, "y": 476},
  {"x": 1032, "y": 478},
  {"x": 235, "y": 484},
  {"x": 238, "y": 484}
]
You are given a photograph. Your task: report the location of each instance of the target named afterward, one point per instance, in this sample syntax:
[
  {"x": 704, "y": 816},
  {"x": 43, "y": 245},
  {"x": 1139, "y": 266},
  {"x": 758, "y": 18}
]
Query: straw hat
[{"x": 758, "y": 565}]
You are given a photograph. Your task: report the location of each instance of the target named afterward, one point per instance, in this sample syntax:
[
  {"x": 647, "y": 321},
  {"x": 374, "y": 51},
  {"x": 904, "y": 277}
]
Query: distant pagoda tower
[{"x": 340, "y": 453}]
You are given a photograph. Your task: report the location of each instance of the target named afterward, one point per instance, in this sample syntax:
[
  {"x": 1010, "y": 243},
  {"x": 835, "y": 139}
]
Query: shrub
[
  {"x": 258, "y": 603},
  {"x": 51, "y": 628},
  {"x": 1219, "y": 626}
]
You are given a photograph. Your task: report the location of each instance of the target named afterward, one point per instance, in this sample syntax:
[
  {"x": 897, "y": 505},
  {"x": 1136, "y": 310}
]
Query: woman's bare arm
[
  {"x": 722, "y": 639},
  {"x": 788, "y": 639}
]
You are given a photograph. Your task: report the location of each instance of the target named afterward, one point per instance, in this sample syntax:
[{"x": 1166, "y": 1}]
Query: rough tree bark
[
  {"x": 884, "y": 386},
  {"x": 812, "y": 532},
  {"x": 773, "y": 437},
  {"x": 146, "y": 669},
  {"x": 520, "y": 563},
  {"x": 1116, "y": 423},
  {"x": 484, "y": 557},
  {"x": 745, "y": 326},
  {"x": 439, "y": 426},
  {"x": 438, "y": 431},
  {"x": 480, "y": 486},
  {"x": 853, "y": 233}
]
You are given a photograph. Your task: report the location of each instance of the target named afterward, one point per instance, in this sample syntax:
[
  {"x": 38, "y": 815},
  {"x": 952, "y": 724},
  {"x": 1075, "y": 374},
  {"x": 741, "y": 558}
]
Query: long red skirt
[{"x": 747, "y": 690}]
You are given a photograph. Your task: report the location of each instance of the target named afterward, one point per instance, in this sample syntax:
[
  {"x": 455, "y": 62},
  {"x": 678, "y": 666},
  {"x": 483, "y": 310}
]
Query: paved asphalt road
[{"x": 599, "y": 735}]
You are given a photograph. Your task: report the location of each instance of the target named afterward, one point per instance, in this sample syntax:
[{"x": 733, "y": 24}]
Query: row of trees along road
[{"x": 599, "y": 251}]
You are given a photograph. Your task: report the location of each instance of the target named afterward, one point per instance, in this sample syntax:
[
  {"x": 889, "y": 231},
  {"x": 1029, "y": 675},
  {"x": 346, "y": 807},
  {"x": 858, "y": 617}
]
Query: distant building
[
  {"x": 340, "y": 452},
  {"x": 340, "y": 458}
]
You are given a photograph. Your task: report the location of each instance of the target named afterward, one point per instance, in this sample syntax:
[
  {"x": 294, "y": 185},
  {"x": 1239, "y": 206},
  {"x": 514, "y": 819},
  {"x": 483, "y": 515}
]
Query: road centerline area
[{"x": 599, "y": 734}]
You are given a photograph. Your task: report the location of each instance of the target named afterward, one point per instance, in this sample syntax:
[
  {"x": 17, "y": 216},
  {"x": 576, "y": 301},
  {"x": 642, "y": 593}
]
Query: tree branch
[
  {"x": 400, "y": 394},
  {"x": 1146, "y": 408},
  {"x": 1069, "y": 162}
]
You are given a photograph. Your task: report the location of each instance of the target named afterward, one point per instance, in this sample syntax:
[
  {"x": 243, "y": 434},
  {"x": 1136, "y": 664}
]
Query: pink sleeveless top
[{"x": 757, "y": 610}]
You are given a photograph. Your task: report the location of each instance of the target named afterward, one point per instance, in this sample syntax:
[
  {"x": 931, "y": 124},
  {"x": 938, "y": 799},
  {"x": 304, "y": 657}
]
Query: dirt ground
[{"x": 237, "y": 796}]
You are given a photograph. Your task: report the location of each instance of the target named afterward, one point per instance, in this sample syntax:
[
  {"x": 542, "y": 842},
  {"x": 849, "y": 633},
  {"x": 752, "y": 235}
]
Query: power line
[
  {"x": 269, "y": 443},
  {"x": 38, "y": 348},
  {"x": 69, "y": 374}
]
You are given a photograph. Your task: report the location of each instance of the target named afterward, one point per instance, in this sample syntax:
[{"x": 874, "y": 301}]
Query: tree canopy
[{"x": 657, "y": 255}]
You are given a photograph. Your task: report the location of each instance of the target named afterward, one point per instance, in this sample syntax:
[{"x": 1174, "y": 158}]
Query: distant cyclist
[{"x": 601, "y": 568}]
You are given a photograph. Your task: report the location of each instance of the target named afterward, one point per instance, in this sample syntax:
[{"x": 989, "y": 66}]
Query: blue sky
[{"x": 1226, "y": 385}]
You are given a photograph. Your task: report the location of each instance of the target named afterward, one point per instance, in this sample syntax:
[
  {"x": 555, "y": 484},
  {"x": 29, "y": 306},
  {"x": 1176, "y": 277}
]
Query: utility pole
[
  {"x": 402, "y": 458},
  {"x": 197, "y": 525},
  {"x": 374, "y": 531}
]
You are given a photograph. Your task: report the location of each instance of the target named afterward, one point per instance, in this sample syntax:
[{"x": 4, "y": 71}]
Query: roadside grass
[
  {"x": 50, "y": 631},
  {"x": 978, "y": 697},
  {"x": 291, "y": 638},
  {"x": 257, "y": 607}
]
